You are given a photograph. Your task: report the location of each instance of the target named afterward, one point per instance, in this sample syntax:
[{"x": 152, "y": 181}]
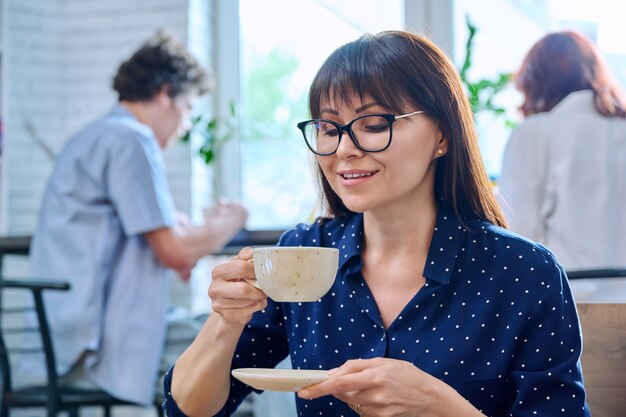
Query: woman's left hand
[{"x": 384, "y": 387}]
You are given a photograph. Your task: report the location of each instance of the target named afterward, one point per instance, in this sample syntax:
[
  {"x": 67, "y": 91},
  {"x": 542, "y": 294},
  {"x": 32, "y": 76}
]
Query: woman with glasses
[{"x": 436, "y": 308}]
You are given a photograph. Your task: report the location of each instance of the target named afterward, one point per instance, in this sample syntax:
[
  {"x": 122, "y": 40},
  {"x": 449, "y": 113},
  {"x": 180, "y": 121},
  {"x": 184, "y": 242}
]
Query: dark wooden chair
[{"x": 51, "y": 396}]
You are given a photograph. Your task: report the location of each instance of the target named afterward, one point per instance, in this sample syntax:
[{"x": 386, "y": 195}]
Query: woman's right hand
[
  {"x": 201, "y": 377},
  {"x": 232, "y": 297}
]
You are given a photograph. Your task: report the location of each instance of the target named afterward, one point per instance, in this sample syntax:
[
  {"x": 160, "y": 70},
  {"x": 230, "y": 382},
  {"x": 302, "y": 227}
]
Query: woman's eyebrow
[
  {"x": 329, "y": 110},
  {"x": 367, "y": 106}
]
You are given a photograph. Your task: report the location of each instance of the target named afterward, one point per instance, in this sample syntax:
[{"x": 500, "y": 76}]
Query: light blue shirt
[{"x": 108, "y": 187}]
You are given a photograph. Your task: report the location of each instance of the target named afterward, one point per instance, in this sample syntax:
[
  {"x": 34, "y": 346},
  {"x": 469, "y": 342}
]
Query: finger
[
  {"x": 247, "y": 306},
  {"x": 235, "y": 290},
  {"x": 362, "y": 410},
  {"x": 343, "y": 386},
  {"x": 354, "y": 397},
  {"x": 236, "y": 302},
  {"x": 244, "y": 254},
  {"x": 234, "y": 270},
  {"x": 368, "y": 403},
  {"x": 354, "y": 408},
  {"x": 335, "y": 380},
  {"x": 355, "y": 365},
  {"x": 241, "y": 315},
  {"x": 247, "y": 311}
]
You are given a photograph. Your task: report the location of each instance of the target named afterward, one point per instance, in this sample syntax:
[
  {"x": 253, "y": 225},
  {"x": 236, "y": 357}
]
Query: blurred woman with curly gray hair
[{"x": 108, "y": 225}]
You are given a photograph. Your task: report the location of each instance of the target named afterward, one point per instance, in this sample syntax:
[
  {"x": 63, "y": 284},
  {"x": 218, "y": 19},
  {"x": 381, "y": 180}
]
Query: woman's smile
[{"x": 355, "y": 176}]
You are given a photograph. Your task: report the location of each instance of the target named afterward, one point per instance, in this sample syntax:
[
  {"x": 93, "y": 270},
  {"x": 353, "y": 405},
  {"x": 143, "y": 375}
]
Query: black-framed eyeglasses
[{"x": 370, "y": 133}]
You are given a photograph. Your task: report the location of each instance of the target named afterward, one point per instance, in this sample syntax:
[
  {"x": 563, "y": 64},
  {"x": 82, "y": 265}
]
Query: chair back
[
  {"x": 47, "y": 394},
  {"x": 604, "y": 357},
  {"x": 597, "y": 273},
  {"x": 14, "y": 325}
]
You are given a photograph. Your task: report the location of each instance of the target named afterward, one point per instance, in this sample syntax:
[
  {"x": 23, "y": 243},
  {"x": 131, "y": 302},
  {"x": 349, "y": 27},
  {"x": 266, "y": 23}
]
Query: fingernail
[
  {"x": 305, "y": 393},
  {"x": 333, "y": 371}
]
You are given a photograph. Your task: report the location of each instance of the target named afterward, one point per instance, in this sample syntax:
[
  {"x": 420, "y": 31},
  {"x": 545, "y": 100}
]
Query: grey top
[{"x": 563, "y": 182}]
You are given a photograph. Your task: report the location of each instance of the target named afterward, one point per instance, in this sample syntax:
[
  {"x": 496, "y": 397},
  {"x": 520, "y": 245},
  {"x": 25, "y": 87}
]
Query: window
[
  {"x": 283, "y": 43},
  {"x": 500, "y": 46}
]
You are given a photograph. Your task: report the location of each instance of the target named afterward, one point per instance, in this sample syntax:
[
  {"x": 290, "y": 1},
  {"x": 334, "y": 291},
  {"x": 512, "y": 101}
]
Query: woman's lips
[{"x": 351, "y": 178}]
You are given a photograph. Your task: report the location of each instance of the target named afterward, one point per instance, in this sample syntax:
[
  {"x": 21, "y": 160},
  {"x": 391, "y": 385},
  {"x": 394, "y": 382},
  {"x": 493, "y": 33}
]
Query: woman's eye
[
  {"x": 329, "y": 132},
  {"x": 376, "y": 128}
]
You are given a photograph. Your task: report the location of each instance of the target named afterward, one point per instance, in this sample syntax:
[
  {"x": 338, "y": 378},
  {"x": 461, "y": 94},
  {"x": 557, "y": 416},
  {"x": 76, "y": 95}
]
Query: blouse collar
[{"x": 444, "y": 246}]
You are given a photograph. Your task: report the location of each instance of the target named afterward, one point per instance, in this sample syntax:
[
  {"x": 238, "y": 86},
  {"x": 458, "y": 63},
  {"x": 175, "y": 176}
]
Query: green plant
[
  {"x": 272, "y": 71},
  {"x": 213, "y": 131},
  {"x": 481, "y": 93}
]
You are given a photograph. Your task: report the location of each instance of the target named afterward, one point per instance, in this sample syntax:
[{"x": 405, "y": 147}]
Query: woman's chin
[{"x": 357, "y": 206}]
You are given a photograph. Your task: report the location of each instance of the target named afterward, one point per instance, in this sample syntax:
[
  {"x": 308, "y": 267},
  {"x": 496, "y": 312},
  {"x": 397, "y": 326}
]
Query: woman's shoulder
[
  {"x": 533, "y": 125},
  {"x": 324, "y": 231},
  {"x": 512, "y": 249},
  {"x": 579, "y": 103}
]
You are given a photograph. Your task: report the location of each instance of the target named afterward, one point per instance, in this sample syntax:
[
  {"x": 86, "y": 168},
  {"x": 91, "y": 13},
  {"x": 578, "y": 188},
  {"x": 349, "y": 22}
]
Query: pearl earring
[{"x": 440, "y": 152}]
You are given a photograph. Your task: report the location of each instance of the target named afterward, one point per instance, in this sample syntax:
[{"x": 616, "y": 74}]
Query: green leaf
[
  {"x": 467, "y": 63},
  {"x": 232, "y": 110},
  {"x": 481, "y": 93},
  {"x": 213, "y": 132},
  {"x": 207, "y": 154},
  {"x": 510, "y": 124},
  {"x": 186, "y": 136}
]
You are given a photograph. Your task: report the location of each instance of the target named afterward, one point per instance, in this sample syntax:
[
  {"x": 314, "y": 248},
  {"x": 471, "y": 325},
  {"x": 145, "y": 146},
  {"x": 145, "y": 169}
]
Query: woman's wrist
[
  {"x": 449, "y": 403},
  {"x": 218, "y": 329}
]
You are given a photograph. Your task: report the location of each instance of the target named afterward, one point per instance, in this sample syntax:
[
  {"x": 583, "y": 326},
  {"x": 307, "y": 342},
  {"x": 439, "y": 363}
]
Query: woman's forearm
[{"x": 201, "y": 378}]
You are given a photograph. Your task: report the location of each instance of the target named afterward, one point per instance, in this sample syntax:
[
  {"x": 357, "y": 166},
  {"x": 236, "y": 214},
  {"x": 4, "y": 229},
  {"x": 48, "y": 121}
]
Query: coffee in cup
[{"x": 294, "y": 273}]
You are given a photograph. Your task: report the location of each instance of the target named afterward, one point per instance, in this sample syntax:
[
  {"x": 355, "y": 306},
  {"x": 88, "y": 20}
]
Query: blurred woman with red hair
[{"x": 563, "y": 172}]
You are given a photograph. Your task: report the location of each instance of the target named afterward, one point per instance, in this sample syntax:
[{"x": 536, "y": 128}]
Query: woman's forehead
[
  {"x": 360, "y": 103},
  {"x": 351, "y": 100}
]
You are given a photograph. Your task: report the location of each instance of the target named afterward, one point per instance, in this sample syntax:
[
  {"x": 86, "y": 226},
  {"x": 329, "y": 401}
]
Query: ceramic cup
[{"x": 289, "y": 273}]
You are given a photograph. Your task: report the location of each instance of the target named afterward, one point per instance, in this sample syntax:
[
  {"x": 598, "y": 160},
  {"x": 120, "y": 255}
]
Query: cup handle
[{"x": 254, "y": 282}]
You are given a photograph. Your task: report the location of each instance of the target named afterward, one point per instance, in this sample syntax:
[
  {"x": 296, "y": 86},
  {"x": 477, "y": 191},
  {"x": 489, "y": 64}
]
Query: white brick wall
[
  {"x": 32, "y": 70},
  {"x": 59, "y": 57}
]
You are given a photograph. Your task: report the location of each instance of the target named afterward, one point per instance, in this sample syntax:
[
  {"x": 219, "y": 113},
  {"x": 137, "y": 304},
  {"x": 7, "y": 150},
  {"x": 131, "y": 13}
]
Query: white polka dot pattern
[{"x": 495, "y": 320}]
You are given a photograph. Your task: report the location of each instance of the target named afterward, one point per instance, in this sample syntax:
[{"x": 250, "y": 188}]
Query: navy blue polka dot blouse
[{"x": 495, "y": 320}]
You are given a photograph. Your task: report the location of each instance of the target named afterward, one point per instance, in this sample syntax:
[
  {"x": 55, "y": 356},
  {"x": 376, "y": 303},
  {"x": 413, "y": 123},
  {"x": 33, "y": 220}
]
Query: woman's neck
[{"x": 407, "y": 230}]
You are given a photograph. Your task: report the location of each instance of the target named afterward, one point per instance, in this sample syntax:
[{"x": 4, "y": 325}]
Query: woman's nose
[{"x": 347, "y": 148}]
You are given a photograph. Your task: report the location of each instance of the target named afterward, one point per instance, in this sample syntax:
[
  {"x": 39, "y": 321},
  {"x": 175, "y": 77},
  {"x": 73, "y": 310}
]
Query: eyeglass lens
[{"x": 371, "y": 132}]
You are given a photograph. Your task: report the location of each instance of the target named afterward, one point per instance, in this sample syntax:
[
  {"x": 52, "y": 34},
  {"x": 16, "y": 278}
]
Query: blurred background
[{"x": 57, "y": 58}]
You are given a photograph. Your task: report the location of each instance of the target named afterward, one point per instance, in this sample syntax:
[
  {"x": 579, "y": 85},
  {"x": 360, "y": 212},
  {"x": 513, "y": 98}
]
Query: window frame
[{"x": 433, "y": 18}]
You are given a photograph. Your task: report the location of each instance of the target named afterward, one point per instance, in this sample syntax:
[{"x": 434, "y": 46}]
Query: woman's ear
[{"x": 442, "y": 146}]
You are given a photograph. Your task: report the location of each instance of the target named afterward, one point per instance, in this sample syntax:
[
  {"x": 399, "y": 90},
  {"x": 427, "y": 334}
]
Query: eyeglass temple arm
[{"x": 402, "y": 116}]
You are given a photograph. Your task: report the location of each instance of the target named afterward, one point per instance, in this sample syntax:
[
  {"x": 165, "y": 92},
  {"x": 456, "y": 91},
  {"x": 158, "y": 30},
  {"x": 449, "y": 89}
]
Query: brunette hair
[
  {"x": 159, "y": 62},
  {"x": 564, "y": 62},
  {"x": 400, "y": 70}
]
